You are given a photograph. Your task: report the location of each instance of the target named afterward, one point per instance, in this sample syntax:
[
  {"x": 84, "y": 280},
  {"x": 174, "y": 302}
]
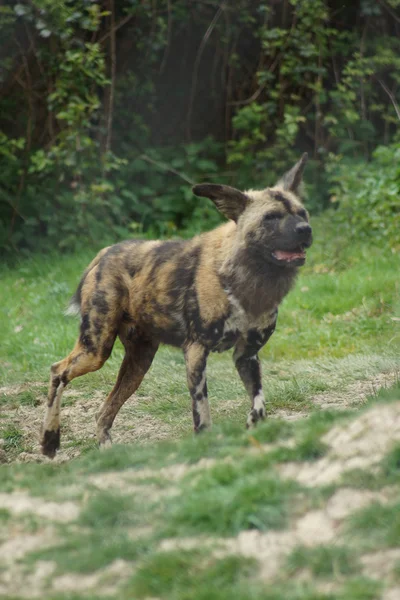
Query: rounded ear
[
  {"x": 229, "y": 201},
  {"x": 292, "y": 180}
]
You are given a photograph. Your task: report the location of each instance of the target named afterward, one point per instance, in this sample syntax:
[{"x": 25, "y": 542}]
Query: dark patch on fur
[
  {"x": 126, "y": 317},
  {"x": 56, "y": 382},
  {"x": 257, "y": 338},
  {"x": 282, "y": 198},
  {"x": 99, "y": 272},
  {"x": 131, "y": 269},
  {"x": 85, "y": 337},
  {"x": 106, "y": 350},
  {"x": 97, "y": 326},
  {"x": 199, "y": 396},
  {"x": 132, "y": 334},
  {"x": 50, "y": 442},
  {"x": 255, "y": 416},
  {"x": 99, "y": 302},
  {"x": 250, "y": 373},
  {"x": 227, "y": 342},
  {"x": 254, "y": 338},
  {"x": 120, "y": 287},
  {"x": 164, "y": 253},
  {"x": 184, "y": 277}
]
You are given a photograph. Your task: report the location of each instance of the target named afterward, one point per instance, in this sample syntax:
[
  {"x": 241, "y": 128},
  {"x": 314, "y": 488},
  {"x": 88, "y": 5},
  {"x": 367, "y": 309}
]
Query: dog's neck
[{"x": 259, "y": 285}]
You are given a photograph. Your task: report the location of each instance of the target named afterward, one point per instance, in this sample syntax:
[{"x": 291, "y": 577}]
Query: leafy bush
[
  {"x": 368, "y": 195},
  {"x": 109, "y": 110}
]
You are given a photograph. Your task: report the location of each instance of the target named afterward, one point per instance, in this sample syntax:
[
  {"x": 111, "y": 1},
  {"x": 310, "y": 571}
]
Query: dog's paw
[{"x": 50, "y": 442}]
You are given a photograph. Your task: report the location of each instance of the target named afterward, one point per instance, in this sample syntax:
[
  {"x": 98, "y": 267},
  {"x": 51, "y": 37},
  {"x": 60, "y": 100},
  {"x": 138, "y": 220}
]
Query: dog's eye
[
  {"x": 302, "y": 213},
  {"x": 272, "y": 216}
]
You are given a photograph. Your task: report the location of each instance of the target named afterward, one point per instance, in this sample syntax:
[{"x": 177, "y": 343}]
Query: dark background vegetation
[{"x": 109, "y": 111}]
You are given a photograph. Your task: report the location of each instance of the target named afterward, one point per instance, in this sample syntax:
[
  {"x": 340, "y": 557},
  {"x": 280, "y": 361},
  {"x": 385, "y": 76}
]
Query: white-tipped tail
[{"x": 73, "y": 309}]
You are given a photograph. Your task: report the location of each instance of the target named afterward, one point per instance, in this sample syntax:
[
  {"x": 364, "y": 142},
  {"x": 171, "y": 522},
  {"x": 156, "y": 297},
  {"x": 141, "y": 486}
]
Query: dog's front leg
[
  {"x": 248, "y": 366},
  {"x": 249, "y": 369},
  {"x": 196, "y": 360}
]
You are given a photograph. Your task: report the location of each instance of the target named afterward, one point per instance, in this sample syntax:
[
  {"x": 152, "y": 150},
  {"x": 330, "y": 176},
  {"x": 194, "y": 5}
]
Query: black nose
[{"x": 304, "y": 230}]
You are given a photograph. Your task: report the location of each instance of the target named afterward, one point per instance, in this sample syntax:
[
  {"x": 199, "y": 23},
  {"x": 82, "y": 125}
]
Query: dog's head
[{"x": 272, "y": 222}]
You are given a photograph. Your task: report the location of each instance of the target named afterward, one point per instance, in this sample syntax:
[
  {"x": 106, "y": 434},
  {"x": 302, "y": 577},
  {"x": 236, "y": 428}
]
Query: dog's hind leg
[
  {"x": 89, "y": 354},
  {"x": 137, "y": 361}
]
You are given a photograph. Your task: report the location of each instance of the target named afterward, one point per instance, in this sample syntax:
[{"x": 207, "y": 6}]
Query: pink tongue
[{"x": 283, "y": 255}]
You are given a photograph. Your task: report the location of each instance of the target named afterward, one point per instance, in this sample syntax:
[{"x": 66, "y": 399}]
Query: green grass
[
  {"x": 360, "y": 588},
  {"x": 225, "y": 500},
  {"x": 323, "y": 561},
  {"x": 13, "y": 438},
  {"x": 187, "y": 575},
  {"x": 378, "y": 525},
  {"x": 82, "y": 552}
]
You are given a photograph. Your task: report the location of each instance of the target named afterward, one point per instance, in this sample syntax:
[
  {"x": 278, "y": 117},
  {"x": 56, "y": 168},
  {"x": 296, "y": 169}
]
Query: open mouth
[{"x": 288, "y": 256}]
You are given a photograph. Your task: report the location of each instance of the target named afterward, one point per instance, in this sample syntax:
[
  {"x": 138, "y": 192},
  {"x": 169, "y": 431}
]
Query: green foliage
[
  {"x": 122, "y": 106},
  {"x": 314, "y": 77},
  {"x": 368, "y": 196},
  {"x": 156, "y": 189}
]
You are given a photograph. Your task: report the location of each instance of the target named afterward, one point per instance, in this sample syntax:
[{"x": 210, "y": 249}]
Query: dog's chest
[{"x": 239, "y": 324}]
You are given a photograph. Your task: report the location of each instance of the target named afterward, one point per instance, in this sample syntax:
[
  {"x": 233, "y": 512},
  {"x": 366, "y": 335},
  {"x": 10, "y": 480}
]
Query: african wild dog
[{"x": 219, "y": 290}]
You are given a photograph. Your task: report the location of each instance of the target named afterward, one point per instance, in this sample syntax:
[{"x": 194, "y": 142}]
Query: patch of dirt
[
  {"x": 33, "y": 583},
  {"x": 18, "y": 503},
  {"x": 348, "y": 500},
  {"x": 20, "y": 543},
  {"x": 392, "y": 594},
  {"x": 172, "y": 473},
  {"x": 17, "y": 580},
  {"x": 78, "y": 424},
  {"x": 359, "y": 444},
  {"x": 124, "y": 482},
  {"x": 381, "y": 564},
  {"x": 104, "y": 582}
]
